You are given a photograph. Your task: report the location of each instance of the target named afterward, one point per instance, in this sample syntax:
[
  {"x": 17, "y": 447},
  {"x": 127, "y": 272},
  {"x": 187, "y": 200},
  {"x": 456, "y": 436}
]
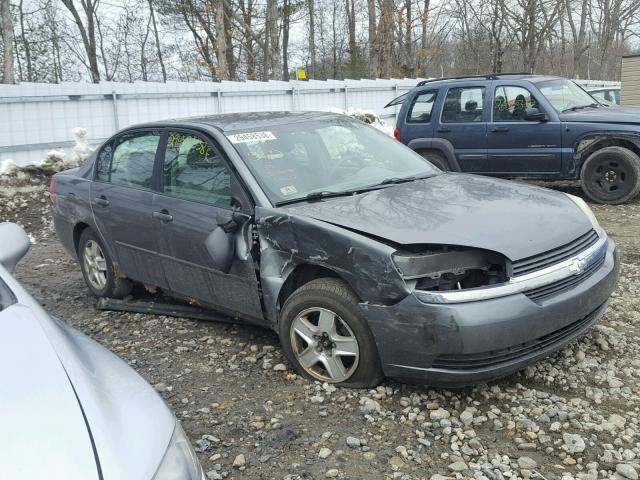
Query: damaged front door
[{"x": 203, "y": 256}]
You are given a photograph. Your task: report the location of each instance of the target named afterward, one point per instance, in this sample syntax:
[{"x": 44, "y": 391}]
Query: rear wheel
[
  {"x": 325, "y": 337},
  {"x": 436, "y": 158},
  {"x": 98, "y": 270},
  {"x": 611, "y": 175}
]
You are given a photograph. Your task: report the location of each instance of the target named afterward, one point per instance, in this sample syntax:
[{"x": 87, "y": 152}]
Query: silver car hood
[
  {"x": 39, "y": 412},
  {"x": 130, "y": 424}
]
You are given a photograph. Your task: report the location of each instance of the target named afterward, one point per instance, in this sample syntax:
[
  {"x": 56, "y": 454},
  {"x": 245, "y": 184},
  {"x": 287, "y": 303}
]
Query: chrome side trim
[{"x": 540, "y": 278}]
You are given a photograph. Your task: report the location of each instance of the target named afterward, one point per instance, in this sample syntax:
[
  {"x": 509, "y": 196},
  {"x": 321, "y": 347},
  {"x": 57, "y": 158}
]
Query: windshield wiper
[
  {"x": 580, "y": 107},
  {"x": 316, "y": 196}
]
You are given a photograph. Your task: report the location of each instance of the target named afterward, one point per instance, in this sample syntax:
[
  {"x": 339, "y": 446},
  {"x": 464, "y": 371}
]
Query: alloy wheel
[
  {"x": 324, "y": 345},
  {"x": 95, "y": 265}
]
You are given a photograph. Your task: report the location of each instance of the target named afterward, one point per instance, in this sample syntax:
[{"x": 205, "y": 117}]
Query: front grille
[
  {"x": 561, "y": 285},
  {"x": 542, "y": 260},
  {"x": 495, "y": 357}
]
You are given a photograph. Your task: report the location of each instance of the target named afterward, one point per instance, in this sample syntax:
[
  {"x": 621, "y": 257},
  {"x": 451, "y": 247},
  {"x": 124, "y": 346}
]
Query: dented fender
[{"x": 287, "y": 241}]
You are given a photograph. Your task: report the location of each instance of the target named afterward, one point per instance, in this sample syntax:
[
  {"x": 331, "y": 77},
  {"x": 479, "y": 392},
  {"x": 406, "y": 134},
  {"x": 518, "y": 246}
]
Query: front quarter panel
[{"x": 287, "y": 241}]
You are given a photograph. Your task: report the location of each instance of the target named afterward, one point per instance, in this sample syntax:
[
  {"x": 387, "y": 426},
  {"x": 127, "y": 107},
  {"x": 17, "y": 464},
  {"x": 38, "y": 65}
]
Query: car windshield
[
  {"x": 565, "y": 95},
  {"x": 319, "y": 158}
]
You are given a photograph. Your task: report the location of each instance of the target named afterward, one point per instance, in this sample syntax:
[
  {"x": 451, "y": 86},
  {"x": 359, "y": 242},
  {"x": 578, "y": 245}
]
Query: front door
[
  {"x": 196, "y": 187},
  {"x": 463, "y": 123},
  {"x": 518, "y": 146},
  {"x": 121, "y": 197}
]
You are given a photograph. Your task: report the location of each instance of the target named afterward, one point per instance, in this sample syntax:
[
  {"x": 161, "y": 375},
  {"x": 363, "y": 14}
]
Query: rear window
[
  {"x": 420, "y": 111},
  {"x": 6, "y": 296}
]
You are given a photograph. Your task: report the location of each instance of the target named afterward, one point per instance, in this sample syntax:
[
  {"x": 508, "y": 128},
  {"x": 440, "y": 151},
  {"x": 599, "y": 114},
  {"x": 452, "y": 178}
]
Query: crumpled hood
[
  {"x": 621, "y": 115},
  {"x": 44, "y": 434},
  {"x": 457, "y": 209}
]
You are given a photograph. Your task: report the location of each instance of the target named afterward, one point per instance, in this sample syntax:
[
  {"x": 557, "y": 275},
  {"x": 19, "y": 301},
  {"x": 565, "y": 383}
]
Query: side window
[
  {"x": 510, "y": 104},
  {"x": 195, "y": 171},
  {"x": 420, "y": 111},
  {"x": 131, "y": 164},
  {"x": 463, "y": 105}
]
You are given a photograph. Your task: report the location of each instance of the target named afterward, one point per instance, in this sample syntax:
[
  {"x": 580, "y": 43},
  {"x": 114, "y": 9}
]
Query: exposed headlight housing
[
  {"x": 582, "y": 205},
  {"x": 180, "y": 461},
  {"x": 451, "y": 268}
]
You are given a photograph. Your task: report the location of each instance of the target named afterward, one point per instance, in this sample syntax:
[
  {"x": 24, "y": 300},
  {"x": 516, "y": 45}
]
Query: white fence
[{"x": 35, "y": 118}]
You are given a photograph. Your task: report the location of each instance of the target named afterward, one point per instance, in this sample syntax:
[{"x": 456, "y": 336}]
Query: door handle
[
  {"x": 444, "y": 130},
  {"x": 499, "y": 129},
  {"x": 163, "y": 216},
  {"x": 102, "y": 201}
]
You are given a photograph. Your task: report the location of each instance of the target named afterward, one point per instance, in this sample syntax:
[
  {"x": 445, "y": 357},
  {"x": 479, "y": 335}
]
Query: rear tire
[
  {"x": 326, "y": 338},
  {"x": 436, "y": 159},
  {"x": 98, "y": 270},
  {"x": 611, "y": 175}
]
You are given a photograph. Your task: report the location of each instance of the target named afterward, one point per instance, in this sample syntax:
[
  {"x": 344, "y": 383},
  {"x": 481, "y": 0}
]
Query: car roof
[{"x": 227, "y": 122}]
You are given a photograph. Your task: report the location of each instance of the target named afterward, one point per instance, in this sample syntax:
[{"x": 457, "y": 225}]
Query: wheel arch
[
  {"x": 302, "y": 274},
  {"x": 437, "y": 145},
  {"x": 591, "y": 143}
]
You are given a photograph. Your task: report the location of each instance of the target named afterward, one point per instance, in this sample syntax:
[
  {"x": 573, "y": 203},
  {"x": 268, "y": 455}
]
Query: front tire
[
  {"x": 325, "y": 336},
  {"x": 98, "y": 270},
  {"x": 611, "y": 175}
]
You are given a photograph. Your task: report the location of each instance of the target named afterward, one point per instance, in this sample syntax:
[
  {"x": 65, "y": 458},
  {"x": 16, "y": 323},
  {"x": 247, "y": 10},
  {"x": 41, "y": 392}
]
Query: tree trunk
[
  {"x": 221, "y": 43},
  {"x": 353, "y": 46},
  {"x": 312, "y": 38},
  {"x": 286, "y": 14},
  {"x": 8, "y": 38},
  {"x": 373, "y": 42},
  {"x": 157, "y": 38},
  {"x": 88, "y": 34}
]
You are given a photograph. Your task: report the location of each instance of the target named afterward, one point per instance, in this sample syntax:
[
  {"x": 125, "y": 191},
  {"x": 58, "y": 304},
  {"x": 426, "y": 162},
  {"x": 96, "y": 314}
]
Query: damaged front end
[{"x": 444, "y": 268}]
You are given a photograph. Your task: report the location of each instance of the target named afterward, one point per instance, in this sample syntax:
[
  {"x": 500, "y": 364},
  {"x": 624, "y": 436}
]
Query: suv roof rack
[{"x": 490, "y": 76}]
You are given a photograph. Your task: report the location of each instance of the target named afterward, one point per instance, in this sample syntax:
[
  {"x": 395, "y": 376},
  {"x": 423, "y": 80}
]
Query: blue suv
[{"x": 521, "y": 125}]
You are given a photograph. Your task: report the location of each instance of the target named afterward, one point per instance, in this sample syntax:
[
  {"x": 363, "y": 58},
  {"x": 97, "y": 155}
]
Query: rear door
[
  {"x": 518, "y": 146},
  {"x": 121, "y": 198},
  {"x": 197, "y": 185},
  {"x": 463, "y": 123},
  {"x": 418, "y": 121}
]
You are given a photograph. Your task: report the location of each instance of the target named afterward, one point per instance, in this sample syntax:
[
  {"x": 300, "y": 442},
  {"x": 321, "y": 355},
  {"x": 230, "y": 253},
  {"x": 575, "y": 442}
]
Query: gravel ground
[{"x": 573, "y": 415}]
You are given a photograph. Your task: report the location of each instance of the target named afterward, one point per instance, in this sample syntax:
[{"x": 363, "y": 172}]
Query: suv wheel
[
  {"x": 436, "y": 159},
  {"x": 97, "y": 268},
  {"x": 611, "y": 175},
  {"x": 325, "y": 337}
]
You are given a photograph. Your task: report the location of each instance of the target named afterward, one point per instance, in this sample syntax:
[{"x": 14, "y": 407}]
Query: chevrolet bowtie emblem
[{"x": 577, "y": 266}]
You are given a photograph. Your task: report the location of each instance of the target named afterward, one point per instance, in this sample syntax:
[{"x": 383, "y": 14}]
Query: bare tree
[{"x": 8, "y": 40}]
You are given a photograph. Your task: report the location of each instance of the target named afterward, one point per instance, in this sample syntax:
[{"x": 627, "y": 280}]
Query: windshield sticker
[
  {"x": 251, "y": 137},
  {"x": 288, "y": 190}
]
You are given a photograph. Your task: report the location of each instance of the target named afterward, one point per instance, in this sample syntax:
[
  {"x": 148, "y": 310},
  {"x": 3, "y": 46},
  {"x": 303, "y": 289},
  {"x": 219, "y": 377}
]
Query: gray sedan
[
  {"x": 70, "y": 409},
  {"x": 366, "y": 259}
]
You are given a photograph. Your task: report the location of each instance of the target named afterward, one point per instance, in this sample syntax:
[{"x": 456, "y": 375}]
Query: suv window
[
  {"x": 131, "y": 164},
  {"x": 195, "y": 171},
  {"x": 420, "y": 111},
  {"x": 463, "y": 105},
  {"x": 510, "y": 104}
]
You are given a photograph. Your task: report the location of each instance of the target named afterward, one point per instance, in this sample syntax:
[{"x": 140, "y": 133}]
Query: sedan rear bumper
[{"x": 469, "y": 343}]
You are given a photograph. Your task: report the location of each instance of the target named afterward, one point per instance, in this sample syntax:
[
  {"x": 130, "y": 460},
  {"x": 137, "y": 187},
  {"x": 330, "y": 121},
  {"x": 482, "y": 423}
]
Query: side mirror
[
  {"x": 221, "y": 243},
  {"x": 14, "y": 245},
  {"x": 535, "y": 115}
]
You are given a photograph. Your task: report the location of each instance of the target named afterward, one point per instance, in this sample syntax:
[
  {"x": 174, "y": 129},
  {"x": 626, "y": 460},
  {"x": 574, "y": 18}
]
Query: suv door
[
  {"x": 417, "y": 123},
  {"x": 121, "y": 197},
  {"x": 518, "y": 146},
  {"x": 463, "y": 123},
  {"x": 196, "y": 187}
]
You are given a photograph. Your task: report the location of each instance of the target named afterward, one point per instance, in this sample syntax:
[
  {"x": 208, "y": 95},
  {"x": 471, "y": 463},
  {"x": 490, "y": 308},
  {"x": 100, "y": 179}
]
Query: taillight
[
  {"x": 396, "y": 133},
  {"x": 52, "y": 190}
]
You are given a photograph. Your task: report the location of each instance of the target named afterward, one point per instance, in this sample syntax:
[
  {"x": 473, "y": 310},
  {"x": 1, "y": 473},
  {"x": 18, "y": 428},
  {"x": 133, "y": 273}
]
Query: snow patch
[{"x": 366, "y": 116}]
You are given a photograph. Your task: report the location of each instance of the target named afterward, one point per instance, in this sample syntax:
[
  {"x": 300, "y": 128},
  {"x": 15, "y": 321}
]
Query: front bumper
[{"x": 468, "y": 343}]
